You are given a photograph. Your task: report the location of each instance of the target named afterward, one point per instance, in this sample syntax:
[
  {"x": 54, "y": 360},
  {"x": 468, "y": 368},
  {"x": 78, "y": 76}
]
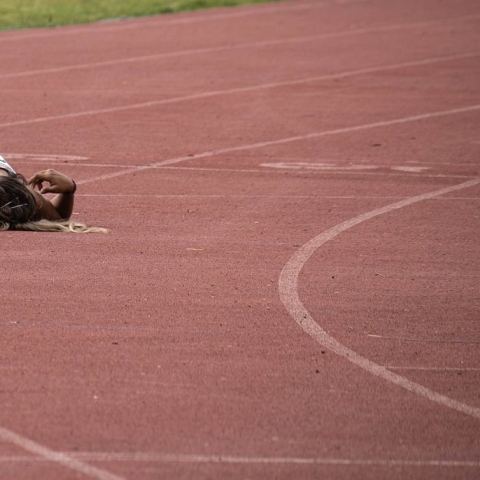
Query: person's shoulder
[{"x": 6, "y": 166}]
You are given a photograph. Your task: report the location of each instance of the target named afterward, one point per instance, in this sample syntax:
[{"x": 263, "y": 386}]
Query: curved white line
[{"x": 288, "y": 288}]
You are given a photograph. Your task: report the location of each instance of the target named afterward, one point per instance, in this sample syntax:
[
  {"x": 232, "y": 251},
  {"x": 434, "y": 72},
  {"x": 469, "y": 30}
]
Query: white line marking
[
  {"x": 340, "y": 168},
  {"x": 184, "y": 458},
  {"x": 272, "y": 460},
  {"x": 171, "y": 161},
  {"x": 250, "y": 170},
  {"x": 435, "y": 369},
  {"x": 319, "y": 166},
  {"x": 410, "y": 169},
  {"x": 288, "y": 288},
  {"x": 157, "y": 56},
  {"x": 332, "y": 197},
  {"x": 424, "y": 340},
  {"x": 154, "y": 195},
  {"x": 57, "y": 457},
  {"x": 232, "y": 91},
  {"x": 43, "y": 157},
  {"x": 208, "y": 50},
  {"x": 322, "y": 172}
]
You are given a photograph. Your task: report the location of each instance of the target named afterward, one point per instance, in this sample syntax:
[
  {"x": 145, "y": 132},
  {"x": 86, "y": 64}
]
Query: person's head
[
  {"x": 20, "y": 210},
  {"x": 17, "y": 203}
]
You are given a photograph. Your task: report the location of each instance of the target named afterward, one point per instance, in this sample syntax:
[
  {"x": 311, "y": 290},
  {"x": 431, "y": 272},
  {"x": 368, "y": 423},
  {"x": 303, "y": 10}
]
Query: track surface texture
[{"x": 289, "y": 288}]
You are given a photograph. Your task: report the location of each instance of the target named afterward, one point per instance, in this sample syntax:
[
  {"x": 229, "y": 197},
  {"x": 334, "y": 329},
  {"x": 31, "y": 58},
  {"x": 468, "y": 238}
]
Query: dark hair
[
  {"x": 19, "y": 210},
  {"x": 17, "y": 202}
]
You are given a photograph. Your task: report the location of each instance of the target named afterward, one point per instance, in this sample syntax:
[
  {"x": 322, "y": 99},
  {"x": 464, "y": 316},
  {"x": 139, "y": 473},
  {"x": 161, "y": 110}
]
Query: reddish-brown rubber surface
[{"x": 152, "y": 351}]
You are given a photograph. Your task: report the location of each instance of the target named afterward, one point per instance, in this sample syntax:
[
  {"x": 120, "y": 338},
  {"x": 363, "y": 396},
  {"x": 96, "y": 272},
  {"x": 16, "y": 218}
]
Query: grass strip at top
[{"x": 49, "y": 13}]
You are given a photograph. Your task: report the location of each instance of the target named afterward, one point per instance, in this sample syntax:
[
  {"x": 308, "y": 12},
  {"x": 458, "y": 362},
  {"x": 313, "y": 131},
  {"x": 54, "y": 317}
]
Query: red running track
[{"x": 290, "y": 283}]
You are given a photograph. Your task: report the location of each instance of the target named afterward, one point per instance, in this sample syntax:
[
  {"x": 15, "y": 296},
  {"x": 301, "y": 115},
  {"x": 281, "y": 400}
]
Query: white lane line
[
  {"x": 57, "y": 457},
  {"x": 298, "y": 165},
  {"x": 79, "y": 161},
  {"x": 259, "y": 44},
  {"x": 155, "y": 195},
  {"x": 397, "y": 121},
  {"x": 423, "y": 340},
  {"x": 231, "y": 91},
  {"x": 434, "y": 369},
  {"x": 270, "y": 171},
  {"x": 252, "y": 170},
  {"x": 318, "y": 172},
  {"x": 231, "y": 459},
  {"x": 182, "y": 458},
  {"x": 39, "y": 157},
  {"x": 288, "y": 288},
  {"x": 337, "y": 171},
  {"x": 326, "y": 197}
]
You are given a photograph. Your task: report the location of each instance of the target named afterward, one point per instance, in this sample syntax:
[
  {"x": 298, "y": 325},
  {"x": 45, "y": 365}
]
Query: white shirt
[{"x": 5, "y": 166}]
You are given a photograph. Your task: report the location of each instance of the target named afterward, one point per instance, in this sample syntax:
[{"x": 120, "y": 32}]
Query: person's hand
[{"x": 58, "y": 182}]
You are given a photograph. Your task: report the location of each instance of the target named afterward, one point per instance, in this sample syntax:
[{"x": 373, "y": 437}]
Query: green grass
[{"x": 49, "y": 13}]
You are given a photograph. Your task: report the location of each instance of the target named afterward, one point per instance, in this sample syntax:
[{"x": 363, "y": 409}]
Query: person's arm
[
  {"x": 61, "y": 206},
  {"x": 63, "y": 203}
]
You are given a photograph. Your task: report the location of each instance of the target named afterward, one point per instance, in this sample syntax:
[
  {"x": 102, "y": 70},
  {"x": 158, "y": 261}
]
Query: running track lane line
[
  {"x": 259, "y": 44},
  {"x": 288, "y": 289},
  {"x": 171, "y": 161},
  {"x": 185, "y": 458},
  {"x": 192, "y": 458},
  {"x": 56, "y": 457},
  {"x": 232, "y": 91}
]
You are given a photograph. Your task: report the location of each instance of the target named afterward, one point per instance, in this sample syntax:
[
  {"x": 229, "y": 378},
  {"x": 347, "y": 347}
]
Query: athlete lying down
[{"x": 23, "y": 205}]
